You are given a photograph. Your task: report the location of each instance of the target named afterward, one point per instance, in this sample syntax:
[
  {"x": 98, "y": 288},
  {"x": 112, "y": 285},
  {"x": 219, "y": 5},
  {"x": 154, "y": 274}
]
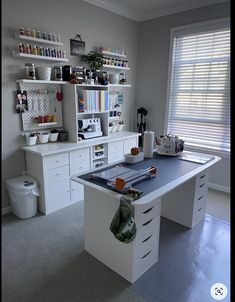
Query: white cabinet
[
  {"x": 115, "y": 151},
  {"x": 190, "y": 198},
  {"x": 53, "y": 172}
]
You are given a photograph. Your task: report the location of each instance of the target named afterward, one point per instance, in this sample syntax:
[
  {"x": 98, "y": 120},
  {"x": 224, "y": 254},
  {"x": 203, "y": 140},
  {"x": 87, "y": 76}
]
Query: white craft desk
[{"x": 178, "y": 192}]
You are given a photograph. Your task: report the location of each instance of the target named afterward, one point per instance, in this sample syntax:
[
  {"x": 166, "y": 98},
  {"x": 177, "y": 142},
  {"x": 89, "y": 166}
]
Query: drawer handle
[
  {"x": 57, "y": 174},
  {"x": 147, "y": 238},
  {"x": 201, "y": 177},
  {"x": 147, "y": 211},
  {"x": 200, "y": 197},
  {"x": 199, "y": 209},
  {"x": 147, "y": 222},
  {"x": 146, "y": 254},
  {"x": 201, "y": 185},
  {"x": 57, "y": 161}
]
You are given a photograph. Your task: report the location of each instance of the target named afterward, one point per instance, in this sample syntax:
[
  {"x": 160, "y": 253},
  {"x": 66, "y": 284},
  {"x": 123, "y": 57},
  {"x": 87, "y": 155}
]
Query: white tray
[{"x": 132, "y": 159}]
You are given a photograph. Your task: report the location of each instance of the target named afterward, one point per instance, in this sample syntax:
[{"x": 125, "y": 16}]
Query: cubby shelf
[
  {"x": 26, "y": 55},
  {"x": 29, "y": 38}
]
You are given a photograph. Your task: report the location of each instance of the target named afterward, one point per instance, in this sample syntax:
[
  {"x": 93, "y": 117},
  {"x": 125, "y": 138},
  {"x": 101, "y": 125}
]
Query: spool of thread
[{"x": 148, "y": 144}]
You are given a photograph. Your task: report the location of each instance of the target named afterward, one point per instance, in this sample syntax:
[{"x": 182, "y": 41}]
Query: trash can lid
[{"x": 22, "y": 184}]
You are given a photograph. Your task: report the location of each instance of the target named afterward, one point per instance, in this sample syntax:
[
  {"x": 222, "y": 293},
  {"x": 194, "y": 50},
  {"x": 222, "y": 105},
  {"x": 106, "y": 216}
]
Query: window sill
[{"x": 207, "y": 150}]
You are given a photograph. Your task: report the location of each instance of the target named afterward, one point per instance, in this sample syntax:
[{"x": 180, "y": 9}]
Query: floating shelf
[
  {"x": 26, "y": 55},
  {"x": 113, "y": 54},
  {"x": 116, "y": 67},
  {"x": 47, "y": 124},
  {"x": 119, "y": 85},
  {"x": 91, "y": 112},
  {"x": 41, "y": 81},
  {"x": 28, "y": 38}
]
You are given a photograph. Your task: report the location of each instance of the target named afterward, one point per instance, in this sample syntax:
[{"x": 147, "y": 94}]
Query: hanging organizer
[{"x": 41, "y": 101}]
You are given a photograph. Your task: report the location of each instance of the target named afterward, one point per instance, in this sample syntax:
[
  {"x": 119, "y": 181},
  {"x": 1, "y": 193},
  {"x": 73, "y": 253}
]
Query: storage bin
[{"x": 23, "y": 192}]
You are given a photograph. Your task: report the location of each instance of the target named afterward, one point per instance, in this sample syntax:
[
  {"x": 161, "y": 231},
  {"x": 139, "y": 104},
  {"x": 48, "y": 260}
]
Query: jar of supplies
[
  {"x": 30, "y": 71},
  {"x": 58, "y": 73}
]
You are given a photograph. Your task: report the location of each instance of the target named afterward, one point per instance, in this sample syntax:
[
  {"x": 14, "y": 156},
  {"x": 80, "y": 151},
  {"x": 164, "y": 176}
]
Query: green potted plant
[{"x": 94, "y": 60}]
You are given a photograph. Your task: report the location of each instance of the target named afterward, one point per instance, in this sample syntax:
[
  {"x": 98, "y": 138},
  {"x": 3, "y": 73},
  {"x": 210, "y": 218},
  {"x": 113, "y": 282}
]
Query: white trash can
[{"x": 23, "y": 192}]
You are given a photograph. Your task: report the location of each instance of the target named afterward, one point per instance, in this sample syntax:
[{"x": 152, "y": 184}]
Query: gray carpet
[{"x": 43, "y": 260}]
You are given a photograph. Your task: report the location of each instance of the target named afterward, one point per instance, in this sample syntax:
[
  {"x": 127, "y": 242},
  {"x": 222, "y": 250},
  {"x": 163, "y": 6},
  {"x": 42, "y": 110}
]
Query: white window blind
[{"x": 199, "y": 96}]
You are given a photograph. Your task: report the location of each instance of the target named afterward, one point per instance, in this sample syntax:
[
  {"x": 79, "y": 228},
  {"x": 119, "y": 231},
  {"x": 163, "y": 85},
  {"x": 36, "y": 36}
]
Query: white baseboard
[
  {"x": 219, "y": 187},
  {"x": 6, "y": 210}
]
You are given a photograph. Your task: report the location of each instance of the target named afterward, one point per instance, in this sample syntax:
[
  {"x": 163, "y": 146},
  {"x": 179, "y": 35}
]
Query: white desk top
[
  {"x": 59, "y": 147},
  {"x": 163, "y": 186}
]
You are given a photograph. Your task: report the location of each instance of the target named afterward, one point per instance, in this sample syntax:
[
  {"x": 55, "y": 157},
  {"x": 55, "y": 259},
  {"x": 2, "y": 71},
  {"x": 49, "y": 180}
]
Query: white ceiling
[{"x": 140, "y": 10}]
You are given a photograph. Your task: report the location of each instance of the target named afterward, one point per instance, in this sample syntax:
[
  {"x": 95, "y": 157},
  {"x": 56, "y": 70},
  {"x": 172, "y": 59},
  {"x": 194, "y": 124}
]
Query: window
[{"x": 199, "y": 87}]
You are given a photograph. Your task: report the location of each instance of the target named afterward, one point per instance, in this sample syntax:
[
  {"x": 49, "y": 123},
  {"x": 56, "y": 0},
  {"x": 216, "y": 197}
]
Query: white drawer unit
[
  {"x": 57, "y": 174},
  {"x": 53, "y": 165},
  {"x": 130, "y": 143},
  {"x": 77, "y": 191},
  {"x": 54, "y": 161},
  {"x": 79, "y": 161},
  {"x": 115, "y": 147},
  {"x": 58, "y": 196}
]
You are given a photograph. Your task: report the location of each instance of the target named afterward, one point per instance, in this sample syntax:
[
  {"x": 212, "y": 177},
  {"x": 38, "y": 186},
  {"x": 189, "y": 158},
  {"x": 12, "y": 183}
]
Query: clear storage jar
[{"x": 30, "y": 71}]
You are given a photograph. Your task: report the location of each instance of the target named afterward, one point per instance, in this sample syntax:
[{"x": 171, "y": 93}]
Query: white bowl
[
  {"x": 31, "y": 140},
  {"x": 53, "y": 137},
  {"x": 44, "y": 73},
  {"x": 43, "y": 138}
]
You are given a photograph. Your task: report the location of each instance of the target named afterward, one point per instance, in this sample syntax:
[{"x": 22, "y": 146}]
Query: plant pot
[
  {"x": 120, "y": 127},
  {"x": 43, "y": 137},
  {"x": 53, "y": 137},
  {"x": 31, "y": 140}
]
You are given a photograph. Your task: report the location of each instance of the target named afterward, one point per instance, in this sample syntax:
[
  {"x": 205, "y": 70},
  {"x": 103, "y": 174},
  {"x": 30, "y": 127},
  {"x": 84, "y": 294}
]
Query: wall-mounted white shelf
[
  {"x": 40, "y": 81},
  {"x": 116, "y": 67},
  {"x": 26, "y": 55},
  {"x": 28, "y": 38},
  {"x": 47, "y": 124},
  {"x": 90, "y": 112},
  {"x": 119, "y": 85},
  {"x": 113, "y": 54}
]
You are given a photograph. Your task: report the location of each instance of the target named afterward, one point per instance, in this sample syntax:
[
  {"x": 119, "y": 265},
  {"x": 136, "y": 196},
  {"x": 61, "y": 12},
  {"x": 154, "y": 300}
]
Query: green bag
[{"x": 123, "y": 224}]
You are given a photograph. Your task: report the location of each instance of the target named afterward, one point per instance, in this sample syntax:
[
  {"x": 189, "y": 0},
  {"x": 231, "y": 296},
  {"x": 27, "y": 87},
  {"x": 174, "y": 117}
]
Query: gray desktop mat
[{"x": 168, "y": 169}]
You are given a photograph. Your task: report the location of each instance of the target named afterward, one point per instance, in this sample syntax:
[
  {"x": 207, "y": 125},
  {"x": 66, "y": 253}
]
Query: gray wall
[
  {"x": 97, "y": 26},
  {"x": 152, "y": 73}
]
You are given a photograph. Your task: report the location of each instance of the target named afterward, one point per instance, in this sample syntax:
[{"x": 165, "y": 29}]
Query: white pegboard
[{"x": 41, "y": 101}]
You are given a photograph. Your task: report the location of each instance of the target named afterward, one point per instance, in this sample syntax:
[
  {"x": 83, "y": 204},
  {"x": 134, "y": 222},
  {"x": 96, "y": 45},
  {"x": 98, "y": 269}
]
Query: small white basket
[
  {"x": 43, "y": 137},
  {"x": 53, "y": 137},
  {"x": 31, "y": 140}
]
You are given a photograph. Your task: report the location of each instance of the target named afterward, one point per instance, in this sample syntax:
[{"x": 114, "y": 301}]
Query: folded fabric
[{"x": 123, "y": 224}]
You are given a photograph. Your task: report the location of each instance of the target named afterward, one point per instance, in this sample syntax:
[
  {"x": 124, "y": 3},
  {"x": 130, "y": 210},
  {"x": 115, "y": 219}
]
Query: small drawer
[
  {"x": 115, "y": 147},
  {"x": 146, "y": 217},
  {"x": 147, "y": 230},
  {"x": 58, "y": 160},
  {"x": 145, "y": 245},
  {"x": 199, "y": 202},
  {"x": 201, "y": 190},
  {"x": 58, "y": 174},
  {"x": 140, "y": 209},
  {"x": 80, "y": 167},
  {"x": 145, "y": 261},
  {"x": 79, "y": 155},
  {"x": 129, "y": 143},
  {"x": 202, "y": 178},
  {"x": 199, "y": 213}
]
